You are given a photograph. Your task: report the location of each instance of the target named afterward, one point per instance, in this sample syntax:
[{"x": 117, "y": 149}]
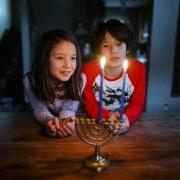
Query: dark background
[{"x": 155, "y": 24}]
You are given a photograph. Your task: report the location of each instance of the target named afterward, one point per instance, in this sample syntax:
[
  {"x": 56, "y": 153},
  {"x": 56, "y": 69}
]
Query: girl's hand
[
  {"x": 66, "y": 127},
  {"x": 52, "y": 126}
]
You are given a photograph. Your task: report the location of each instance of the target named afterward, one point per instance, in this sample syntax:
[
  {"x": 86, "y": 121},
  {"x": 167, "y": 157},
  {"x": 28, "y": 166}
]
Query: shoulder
[
  {"x": 91, "y": 69},
  {"x": 84, "y": 80},
  {"x": 91, "y": 65},
  {"x": 136, "y": 66},
  {"x": 136, "y": 71},
  {"x": 135, "y": 63}
]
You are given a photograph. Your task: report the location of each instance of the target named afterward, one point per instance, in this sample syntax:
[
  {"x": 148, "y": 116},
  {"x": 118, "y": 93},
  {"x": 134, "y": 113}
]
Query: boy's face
[
  {"x": 114, "y": 50},
  {"x": 62, "y": 61}
]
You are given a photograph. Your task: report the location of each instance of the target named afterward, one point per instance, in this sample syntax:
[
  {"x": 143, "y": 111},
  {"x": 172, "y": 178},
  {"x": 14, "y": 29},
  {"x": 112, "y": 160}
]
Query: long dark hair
[
  {"x": 117, "y": 28},
  {"x": 43, "y": 85}
]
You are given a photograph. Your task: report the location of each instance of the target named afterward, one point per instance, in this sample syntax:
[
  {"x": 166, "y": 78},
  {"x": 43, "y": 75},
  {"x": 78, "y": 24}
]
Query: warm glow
[
  {"x": 125, "y": 65},
  {"x": 102, "y": 62}
]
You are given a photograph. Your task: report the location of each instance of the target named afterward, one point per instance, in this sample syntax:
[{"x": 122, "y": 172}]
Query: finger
[
  {"x": 50, "y": 122},
  {"x": 117, "y": 114},
  {"x": 124, "y": 125},
  {"x": 51, "y": 126},
  {"x": 64, "y": 121},
  {"x": 62, "y": 132},
  {"x": 73, "y": 117},
  {"x": 113, "y": 130},
  {"x": 70, "y": 125},
  {"x": 57, "y": 123},
  {"x": 50, "y": 133},
  {"x": 111, "y": 127},
  {"x": 122, "y": 131},
  {"x": 116, "y": 131},
  {"x": 67, "y": 130},
  {"x": 117, "y": 126}
]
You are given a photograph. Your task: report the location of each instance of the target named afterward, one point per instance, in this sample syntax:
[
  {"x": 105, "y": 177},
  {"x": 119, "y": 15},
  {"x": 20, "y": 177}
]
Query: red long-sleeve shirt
[{"x": 134, "y": 90}]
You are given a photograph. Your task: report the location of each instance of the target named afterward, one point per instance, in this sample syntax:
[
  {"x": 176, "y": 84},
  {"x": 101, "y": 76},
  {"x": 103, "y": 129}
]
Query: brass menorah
[{"x": 97, "y": 134}]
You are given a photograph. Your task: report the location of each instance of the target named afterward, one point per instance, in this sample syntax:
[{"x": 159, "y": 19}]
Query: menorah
[{"x": 97, "y": 134}]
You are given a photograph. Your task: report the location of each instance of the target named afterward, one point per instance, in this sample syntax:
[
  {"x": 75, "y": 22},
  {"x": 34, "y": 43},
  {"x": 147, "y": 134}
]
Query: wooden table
[{"x": 151, "y": 150}]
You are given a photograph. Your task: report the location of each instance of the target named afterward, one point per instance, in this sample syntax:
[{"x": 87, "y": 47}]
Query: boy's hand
[
  {"x": 124, "y": 125},
  {"x": 114, "y": 117},
  {"x": 120, "y": 127}
]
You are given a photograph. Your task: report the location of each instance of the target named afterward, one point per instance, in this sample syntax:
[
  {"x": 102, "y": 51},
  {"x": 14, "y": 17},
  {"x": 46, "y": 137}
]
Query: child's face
[
  {"x": 62, "y": 61},
  {"x": 114, "y": 50}
]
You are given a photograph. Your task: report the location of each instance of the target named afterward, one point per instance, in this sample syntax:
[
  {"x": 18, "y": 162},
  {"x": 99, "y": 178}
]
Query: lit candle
[
  {"x": 102, "y": 64},
  {"x": 121, "y": 110}
]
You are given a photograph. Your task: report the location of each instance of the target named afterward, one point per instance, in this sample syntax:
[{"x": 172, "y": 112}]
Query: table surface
[{"x": 150, "y": 150}]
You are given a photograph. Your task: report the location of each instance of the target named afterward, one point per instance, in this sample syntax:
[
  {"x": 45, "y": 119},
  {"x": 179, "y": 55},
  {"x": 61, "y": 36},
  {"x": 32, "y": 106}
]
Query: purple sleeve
[
  {"x": 40, "y": 110},
  {"x": 69, "y": 109}
]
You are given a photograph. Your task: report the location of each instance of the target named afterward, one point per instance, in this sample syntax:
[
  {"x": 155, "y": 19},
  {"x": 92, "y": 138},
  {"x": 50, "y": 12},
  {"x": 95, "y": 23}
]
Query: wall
[
  {"x": 5, "y": 16},
  {"x": 164, "y": 25}
]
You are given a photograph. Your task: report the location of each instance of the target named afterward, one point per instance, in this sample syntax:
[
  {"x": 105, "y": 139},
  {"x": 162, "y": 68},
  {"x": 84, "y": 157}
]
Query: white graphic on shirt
[{"x": 112, "y": 92}]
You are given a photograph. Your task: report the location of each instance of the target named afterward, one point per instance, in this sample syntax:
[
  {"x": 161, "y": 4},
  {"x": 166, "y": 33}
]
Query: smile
[
  {"x": 114, "y": 58},
  {"x": 65, "y": 73}
]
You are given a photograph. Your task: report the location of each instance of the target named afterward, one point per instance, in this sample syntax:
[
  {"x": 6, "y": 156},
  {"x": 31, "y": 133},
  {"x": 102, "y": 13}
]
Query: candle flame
[
  {"x": 102, "y": 62},
  {"x": 125, "y": 65}
]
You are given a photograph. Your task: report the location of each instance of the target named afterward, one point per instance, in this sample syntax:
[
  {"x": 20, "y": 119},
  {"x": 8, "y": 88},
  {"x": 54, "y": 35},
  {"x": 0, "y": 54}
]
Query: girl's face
[
  {"x": 113, "y": 50},
  {"x": 62, "y": 61}
]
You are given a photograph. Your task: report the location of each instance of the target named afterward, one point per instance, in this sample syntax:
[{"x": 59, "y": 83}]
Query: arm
[
  {"x": 69, "y": 109},
  {"x": 136, "y": 104},
  {"x": 40, "y": 110}
]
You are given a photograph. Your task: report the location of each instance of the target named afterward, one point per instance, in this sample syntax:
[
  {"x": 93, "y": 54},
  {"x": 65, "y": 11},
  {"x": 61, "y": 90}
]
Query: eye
[
  {"x": 73, "y": 58},
  {"x": 105, "y": 45},
  {"x": 59, "y": 57},
  {"x": 119, "y": 44}
]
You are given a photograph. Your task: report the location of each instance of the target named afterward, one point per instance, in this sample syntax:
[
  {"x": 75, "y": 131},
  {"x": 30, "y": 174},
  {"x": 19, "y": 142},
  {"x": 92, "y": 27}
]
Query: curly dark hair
[{"x": 43, "y": 85}]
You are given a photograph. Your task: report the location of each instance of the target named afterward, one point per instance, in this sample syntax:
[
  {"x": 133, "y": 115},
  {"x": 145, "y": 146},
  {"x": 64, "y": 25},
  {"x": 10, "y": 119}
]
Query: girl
[
  {"x": 113, "y": 39},
  {"x": 54, "y": 85}
]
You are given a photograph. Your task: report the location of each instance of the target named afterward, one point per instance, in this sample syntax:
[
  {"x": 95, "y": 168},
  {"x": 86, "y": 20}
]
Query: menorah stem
[{"x": 97, "y": 152}]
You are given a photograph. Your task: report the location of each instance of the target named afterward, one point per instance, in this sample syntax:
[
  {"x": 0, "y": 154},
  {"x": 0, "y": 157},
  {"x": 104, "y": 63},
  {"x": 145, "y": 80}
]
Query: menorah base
[{"x": 97, "y": 163}]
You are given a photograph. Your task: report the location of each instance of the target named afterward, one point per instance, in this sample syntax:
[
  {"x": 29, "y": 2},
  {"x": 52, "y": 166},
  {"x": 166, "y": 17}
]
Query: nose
[
  {"x": 113, "y": 48},
  {"x": 67, "y": 63}
]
